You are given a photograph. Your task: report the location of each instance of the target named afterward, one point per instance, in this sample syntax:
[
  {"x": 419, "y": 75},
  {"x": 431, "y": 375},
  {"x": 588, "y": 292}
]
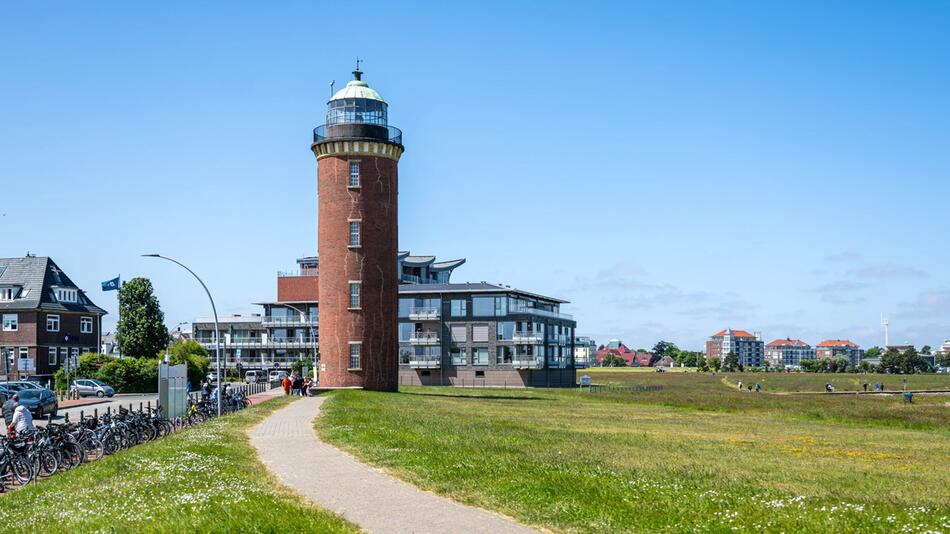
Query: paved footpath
[{"x": 378, "y": 503}]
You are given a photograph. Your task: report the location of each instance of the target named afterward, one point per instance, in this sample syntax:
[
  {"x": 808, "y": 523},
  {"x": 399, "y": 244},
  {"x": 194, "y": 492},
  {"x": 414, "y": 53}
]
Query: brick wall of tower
[{"x": 374, "y": 203}]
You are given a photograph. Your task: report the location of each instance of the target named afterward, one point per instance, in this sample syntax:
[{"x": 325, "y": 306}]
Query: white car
[{"x": 276, "y": 376}]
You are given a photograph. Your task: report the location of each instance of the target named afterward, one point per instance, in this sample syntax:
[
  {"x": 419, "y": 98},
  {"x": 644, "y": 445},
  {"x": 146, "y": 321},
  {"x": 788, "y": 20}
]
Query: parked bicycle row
[{"x": 28, "y": 452}]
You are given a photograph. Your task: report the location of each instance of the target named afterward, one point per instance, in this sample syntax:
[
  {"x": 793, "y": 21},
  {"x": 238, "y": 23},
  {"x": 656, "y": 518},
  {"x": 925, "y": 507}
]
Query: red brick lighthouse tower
[{"x": 357, "y": 161}]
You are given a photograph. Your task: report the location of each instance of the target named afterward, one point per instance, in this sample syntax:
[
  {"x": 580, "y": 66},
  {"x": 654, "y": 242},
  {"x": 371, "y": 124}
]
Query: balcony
[
  {"x": 425, "y": 362},
  {"x": 424, "y": 314},
  {"x": 260, "y": 343},
  {"x": 541, "y": 313},
  {"x": 527, "y": 362},
  {"x": 424, "y": 338},
  {"x": 346, "y": 131},
  {"x": 297, "y": 320},
  {"x": 528, "y": 338}
]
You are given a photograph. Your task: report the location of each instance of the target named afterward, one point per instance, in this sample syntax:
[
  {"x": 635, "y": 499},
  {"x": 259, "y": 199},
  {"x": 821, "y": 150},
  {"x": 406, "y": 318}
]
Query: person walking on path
[
  {"x": 306, "y": 386},
  {"x": 740, "y": 385},
  {"x": 298, "y": 385},
  {"x": 9, "y": 407},
  {"x": 286, "y": 385}
]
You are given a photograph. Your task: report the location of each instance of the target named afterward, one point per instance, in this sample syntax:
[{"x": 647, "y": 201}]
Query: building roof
[
  {"x": 837, "y": 343},
  {"x": 787, "y": 342},
  {"x": 36, "y": 277},
  {"x": 446, "y": 265},
  {"x": 357, "y": 89},
  {"x": 735, "y": 333},
  {"x": 418, "y": 260},
  {"x": 232, "y": 319},
  {"x": 467, "y": 287}
]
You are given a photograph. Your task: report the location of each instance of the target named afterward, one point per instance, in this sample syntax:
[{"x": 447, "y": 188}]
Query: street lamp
[
  {"x": 313, "y": 336},
  {"x": 217, "y": 334}
]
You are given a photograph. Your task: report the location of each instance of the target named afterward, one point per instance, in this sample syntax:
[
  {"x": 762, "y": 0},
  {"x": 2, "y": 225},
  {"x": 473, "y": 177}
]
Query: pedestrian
[
  {"x": 757, "y": 388},
  {"x": 9, "y": 407},
  {"x": 286, "y": 384},
  {"x": 306, "y": 386},
  {"x": 865, "y": 387},
  {"x": 298, "y": 385},
  {"x": 740, "y": 385},
  {"x": 750, "y": 388},
  {"x": 205, "y": 390},
  {"x": 22, "y": 421}
]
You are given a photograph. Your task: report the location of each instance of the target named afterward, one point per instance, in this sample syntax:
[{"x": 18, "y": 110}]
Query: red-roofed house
[
  {"x": 631, "y": 357},
  {"x": 788, "y": 353},
  {"x": 840, "y": 348},
  {"x": 748, "y": 348}
]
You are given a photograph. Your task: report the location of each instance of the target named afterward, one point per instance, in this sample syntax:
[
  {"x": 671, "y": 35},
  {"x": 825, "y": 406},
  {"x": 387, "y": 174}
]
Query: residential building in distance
[
  {"x": 46, "y": 318},
  {"x": 483, "y": 334},
  {"x": 788, "y": 353},
  {"x": 945, "y": 348},
  {"x": 585, "y": 350},
  {"x": 748, "y": 348},
  {"x": 840, "y": 348},
  {"x": 289, "y": 327},
  {"x": 631, "y": 358}
]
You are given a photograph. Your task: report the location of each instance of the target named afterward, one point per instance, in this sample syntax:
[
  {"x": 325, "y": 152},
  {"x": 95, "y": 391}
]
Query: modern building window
[
  {"x": 505, "y": 330},
  {"x": 10, "y": 322},
  {"x": 459, "y": 355},
  {"x": 52, "y": 355},
  {"x": 405, "y": 355},
  {"x": 355, "y": 355},
  {"x": 354, "y": 295},
  {"x": 459, "y": 308},
  {"x": 405, "y": 307},
  {"x": 85, "y": 325},
  {"x": 354, "y": 233},
  {"x": 480, "y": 356},
  {"x": 490, "y": 306},
  {"x": 405, "y": 331},
  {"x": 52, "y": 323},
  {"x": 504, "y": 355},
  {"x": 354, "y": 180}
]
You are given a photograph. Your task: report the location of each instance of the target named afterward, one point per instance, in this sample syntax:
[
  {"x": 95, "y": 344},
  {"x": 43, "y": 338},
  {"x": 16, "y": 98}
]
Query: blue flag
[{"x": 111, "y": 285}]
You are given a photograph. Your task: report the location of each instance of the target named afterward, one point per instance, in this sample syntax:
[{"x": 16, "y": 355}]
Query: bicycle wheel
[
  {"x": 22, "y": 469},
  {"x": 73, "y": 455},
  {"x": 93, "y": 447},
  {"x": 45, "y": 463}
]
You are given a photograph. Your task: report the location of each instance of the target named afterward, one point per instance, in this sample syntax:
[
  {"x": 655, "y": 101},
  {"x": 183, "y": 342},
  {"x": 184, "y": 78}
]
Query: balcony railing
[
  {"x": 424, "y": 314},
  {"x": 527, "y": 362},
  {"x": 300, "y": 272},
  {"x": 290, "y": 321},
  {"x": 260, "y": 343},
  {"x": 424, "y": 338},
  {"x": 425, "y": 362},
  {"x": 541, "y": 313},
  {"x": 528, "y": 337},
  {"x": 393, "y": 134}
]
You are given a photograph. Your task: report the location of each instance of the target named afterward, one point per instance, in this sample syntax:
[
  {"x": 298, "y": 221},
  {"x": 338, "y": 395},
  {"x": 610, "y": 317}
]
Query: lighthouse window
[
  {"x": 354, "y": 295},
  {"x": 354, "y": 355},
  {"x": 354, "y": 233},
  {"x": 354, "y": 174}
]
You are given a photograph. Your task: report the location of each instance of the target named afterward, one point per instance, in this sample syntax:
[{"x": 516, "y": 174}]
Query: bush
[
  {"x": 130, "y": 375},
  {"x": 88, "y": 368},
  {"x": 193, "y": 354}
]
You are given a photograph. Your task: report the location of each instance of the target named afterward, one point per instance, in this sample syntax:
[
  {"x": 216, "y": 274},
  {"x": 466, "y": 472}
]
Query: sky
[{"x": 671, "y": 168}]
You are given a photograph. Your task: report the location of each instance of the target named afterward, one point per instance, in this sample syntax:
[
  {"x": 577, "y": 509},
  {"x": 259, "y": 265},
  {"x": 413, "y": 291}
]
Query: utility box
[{"x": 172, "y": 390}]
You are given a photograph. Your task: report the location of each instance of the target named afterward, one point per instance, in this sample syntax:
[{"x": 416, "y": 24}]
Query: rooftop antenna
[
  {"x": 357, "y": 74},
  {"x": 885, "y": 323},
  {"x": 331, "y": 87}
]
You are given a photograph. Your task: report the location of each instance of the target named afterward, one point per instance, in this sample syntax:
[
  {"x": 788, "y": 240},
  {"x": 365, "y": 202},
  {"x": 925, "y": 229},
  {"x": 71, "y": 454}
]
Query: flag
[{"x": 111, "y": 285}]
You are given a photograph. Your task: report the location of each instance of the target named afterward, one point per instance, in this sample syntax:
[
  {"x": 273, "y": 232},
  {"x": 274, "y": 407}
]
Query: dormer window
[
  {"x": 67, "y": 295},
  {"x": 8, "y": 293}
]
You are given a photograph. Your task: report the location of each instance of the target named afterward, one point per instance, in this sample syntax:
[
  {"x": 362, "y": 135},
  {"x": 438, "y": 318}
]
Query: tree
[
  {"x": 141, "y": 330},
  {"x": 612, "y": 360},
  {"x": 730, "y": 362},
  {"x": 661, "y": 349},
  {"x": 873, "y": 352},
  {"x": 925, "y": 350},
  {"x": 906, "y": 362},
  {"x": 811, "y": 366},
  {"x": 715, "y": 363}
]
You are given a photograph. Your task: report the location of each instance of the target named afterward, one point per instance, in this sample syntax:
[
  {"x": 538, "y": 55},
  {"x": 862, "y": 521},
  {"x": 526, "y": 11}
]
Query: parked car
[
  {"x": 276, "y": 376},
  {"x": 252, "y": 377},
  {"x": 20, "y": 385},
  {"x": 5, "y": 394},
  {"x": 39, "y": 401},
  {"x": 87, "y": 387}
]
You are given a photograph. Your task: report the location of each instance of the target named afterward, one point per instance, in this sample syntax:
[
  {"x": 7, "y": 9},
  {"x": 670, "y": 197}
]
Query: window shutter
[
  {"x": 458, "y": 334},
  {"x": 480, "y": 333}
]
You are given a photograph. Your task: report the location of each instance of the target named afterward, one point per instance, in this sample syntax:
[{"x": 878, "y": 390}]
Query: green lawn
[
  {"x": 203, "y": 479},
  {"x": 669, "y": 461}
]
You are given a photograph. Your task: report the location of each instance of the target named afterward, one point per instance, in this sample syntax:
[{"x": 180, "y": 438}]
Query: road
[{"x": 114, "y": 403}]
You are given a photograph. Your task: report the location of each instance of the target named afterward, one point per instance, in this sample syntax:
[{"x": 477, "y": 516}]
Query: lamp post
[
  {"x": 313, "y": 336},
  {"x": 217, "y": 334}
]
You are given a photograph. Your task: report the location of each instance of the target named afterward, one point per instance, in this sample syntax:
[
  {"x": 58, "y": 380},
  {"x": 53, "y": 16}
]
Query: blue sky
[{"x": 670, "y": 168}]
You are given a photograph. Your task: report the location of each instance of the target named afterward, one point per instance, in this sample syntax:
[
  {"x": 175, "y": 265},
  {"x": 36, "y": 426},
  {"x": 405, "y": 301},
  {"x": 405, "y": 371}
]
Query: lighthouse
[{"x": 357, "y": 155}]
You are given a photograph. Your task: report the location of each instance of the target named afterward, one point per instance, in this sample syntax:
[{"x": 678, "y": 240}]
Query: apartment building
[
  {"x": 585, "y": 349},
  {"x": 483, "y": 334},
  {"x": 788, "y": 353},
  {"x": 748, "y": 348},
  {"x": 840, "y": 348}
]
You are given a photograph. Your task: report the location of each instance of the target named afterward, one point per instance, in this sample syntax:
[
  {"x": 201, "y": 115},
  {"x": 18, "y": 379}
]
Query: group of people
[
  {"x": 757, "y": 387},
  {"x": 295, "y": 384},
  {"x": 16, "y": 416}
]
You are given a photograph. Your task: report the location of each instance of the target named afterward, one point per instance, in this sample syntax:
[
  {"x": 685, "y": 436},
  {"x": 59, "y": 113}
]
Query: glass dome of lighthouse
[{"x": 357, "y": 103}]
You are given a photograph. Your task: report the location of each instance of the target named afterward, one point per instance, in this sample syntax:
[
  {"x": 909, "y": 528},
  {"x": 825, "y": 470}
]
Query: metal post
[{"x": 217, "y": 332}]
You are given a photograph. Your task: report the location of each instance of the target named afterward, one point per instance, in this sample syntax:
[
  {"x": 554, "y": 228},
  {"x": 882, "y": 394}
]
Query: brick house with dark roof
[
  {"x": 45, "y": 318},
  {"x": 632, "y": 358}
]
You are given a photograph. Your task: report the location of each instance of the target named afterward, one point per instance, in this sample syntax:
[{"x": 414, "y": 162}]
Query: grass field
[
  {"x": 672, "y": 460},
  {"x": 205, "y": 479}
]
